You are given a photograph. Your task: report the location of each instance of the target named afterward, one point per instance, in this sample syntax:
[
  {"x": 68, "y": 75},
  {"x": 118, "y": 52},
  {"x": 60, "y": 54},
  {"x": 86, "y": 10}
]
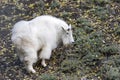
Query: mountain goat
[{"x": 41, "y": 33}]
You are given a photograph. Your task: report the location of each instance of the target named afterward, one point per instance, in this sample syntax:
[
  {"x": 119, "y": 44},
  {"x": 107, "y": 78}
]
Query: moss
[
  {"x": 117, "y": 31},
  {"x": 109, "y": 50},
  {"x": 94, "y": 55},
  {"x": 69, "y": 66},
  {"x": 48, "y": 77},
  {"x": 55, "y": 4}
]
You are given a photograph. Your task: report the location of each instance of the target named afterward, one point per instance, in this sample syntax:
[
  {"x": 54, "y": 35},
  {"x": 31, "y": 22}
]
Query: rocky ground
[{"x": 95, "y": 55}]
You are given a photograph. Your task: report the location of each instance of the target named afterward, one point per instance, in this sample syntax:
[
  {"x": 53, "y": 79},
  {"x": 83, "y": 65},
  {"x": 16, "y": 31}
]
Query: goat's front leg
[
  {"x": 45, "y": 54},
  {"x": 43, "y": 63}
]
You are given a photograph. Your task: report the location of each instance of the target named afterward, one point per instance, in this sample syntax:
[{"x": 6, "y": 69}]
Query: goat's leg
[
  {"x": 20, "y": 55},
  {"x": 30, "y": 58},
  {"x": 43, "y": 63},
  {"x": 45, "y": 54}
]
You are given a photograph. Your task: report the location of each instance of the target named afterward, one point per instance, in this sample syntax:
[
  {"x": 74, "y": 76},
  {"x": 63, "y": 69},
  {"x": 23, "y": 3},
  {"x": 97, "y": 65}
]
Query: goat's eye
[{"x": 68, "y": 29}]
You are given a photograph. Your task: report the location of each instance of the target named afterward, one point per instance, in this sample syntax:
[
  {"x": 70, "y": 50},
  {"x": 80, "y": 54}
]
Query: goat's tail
[{"x": 18, "y": 32}]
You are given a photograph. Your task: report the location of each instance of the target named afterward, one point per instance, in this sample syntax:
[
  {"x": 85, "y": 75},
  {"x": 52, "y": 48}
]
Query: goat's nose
[{"x": 73, "y": 41}]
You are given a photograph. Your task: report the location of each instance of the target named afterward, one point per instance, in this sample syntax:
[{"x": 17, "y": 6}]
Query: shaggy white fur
[{"x": 43, "y": 32}]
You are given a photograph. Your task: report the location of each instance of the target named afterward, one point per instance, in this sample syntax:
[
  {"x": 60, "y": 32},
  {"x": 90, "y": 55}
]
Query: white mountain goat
[{"x": 42, "y": 33}]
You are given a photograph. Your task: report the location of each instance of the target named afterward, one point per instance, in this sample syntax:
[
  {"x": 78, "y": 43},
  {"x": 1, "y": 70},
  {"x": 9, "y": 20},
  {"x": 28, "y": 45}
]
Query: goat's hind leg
[
  {"x": 30, "y": 58},
  {"x": 20, "y": 55}
]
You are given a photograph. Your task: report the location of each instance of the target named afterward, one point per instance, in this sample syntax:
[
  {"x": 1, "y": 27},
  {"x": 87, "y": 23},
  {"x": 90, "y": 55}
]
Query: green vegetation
[
  {"x": 48, "y": 77},
  {"x": 95, "y": 55}
]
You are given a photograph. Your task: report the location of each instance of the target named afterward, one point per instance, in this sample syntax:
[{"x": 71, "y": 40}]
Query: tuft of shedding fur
[{"x": 41, "y": 33}]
